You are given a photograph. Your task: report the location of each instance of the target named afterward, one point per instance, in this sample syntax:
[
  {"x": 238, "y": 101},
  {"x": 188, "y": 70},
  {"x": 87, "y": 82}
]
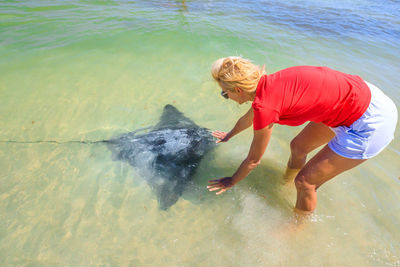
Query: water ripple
[{"x": 53, "y": 22}]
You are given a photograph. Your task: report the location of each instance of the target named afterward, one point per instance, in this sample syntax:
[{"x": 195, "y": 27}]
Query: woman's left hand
[
  {"x": 222, "y": 184},
  {"x": 221, "y": 136}
]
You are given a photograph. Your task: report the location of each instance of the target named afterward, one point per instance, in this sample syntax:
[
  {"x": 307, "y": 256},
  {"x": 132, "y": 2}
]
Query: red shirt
[{"x": 305, "y": 93}]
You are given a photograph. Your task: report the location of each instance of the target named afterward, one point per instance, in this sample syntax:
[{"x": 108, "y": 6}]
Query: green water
[{"x": 85, "y": 70}]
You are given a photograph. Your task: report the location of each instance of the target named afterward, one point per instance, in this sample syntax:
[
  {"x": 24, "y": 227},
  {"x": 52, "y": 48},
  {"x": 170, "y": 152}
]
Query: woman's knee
[
  {"x": 297, "y": 148},
  {"x": 303, "y": 183}
]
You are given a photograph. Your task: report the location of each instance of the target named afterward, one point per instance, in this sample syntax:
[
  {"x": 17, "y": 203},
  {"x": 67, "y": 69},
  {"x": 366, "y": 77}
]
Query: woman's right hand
[
  {"x": 221, "y": 184},
  {"x": 221, "y": 136}
]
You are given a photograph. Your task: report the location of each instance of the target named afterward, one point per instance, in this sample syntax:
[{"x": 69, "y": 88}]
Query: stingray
[{"x": 166, "y": 155}]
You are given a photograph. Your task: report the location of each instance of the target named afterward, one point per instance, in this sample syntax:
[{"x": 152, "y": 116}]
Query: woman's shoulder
[
  {"x": 302, "y": 68},
  {"x": 291, "y": 74}
]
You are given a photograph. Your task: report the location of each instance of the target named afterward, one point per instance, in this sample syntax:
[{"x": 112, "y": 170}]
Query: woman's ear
[{"x": 238, "y": 90}]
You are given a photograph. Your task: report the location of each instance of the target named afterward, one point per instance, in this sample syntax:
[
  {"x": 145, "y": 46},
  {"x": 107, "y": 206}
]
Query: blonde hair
[{"x": 232, "y": 72}]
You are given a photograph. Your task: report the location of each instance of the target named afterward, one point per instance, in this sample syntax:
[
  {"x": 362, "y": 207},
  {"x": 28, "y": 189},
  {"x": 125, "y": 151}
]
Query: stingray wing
[{"x": 173, "y": 118}]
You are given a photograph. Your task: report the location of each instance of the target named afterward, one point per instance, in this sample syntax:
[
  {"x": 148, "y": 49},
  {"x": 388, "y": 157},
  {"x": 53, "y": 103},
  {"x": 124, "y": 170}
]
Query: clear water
[{"x": 90, "y": 70}]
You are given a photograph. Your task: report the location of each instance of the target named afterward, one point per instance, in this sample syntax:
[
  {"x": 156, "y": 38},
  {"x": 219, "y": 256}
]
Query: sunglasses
[{"x": 224, "y": 94}]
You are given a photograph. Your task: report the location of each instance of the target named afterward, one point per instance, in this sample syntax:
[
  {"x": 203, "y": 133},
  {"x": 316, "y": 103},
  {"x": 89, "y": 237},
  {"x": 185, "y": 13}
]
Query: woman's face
[{"x": 236, "y": 95}]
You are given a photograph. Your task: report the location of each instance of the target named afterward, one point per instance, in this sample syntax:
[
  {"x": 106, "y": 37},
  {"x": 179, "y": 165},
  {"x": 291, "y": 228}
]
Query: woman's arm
[
  {"x": 258, "y": 146},
  {"x": 242, "y": 124}
]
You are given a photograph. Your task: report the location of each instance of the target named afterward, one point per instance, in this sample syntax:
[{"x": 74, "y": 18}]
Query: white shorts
[{"x": 371, "y": 133}]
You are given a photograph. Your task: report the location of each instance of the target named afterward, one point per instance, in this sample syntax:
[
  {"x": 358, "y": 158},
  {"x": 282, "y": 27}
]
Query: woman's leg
[
  {"x": 311, "y": 137},
  {"x": 325, "y": 165}
]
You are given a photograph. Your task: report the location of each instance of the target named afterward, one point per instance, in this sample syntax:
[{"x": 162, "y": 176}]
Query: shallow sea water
[{"x": 91, "y": 70}]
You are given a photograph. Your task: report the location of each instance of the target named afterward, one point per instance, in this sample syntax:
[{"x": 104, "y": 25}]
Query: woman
[{"x": 353, "y": 119}]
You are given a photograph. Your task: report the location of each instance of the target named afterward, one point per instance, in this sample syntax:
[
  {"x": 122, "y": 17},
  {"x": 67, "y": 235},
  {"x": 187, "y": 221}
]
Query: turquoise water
[{"x": 90, "y": 70}]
